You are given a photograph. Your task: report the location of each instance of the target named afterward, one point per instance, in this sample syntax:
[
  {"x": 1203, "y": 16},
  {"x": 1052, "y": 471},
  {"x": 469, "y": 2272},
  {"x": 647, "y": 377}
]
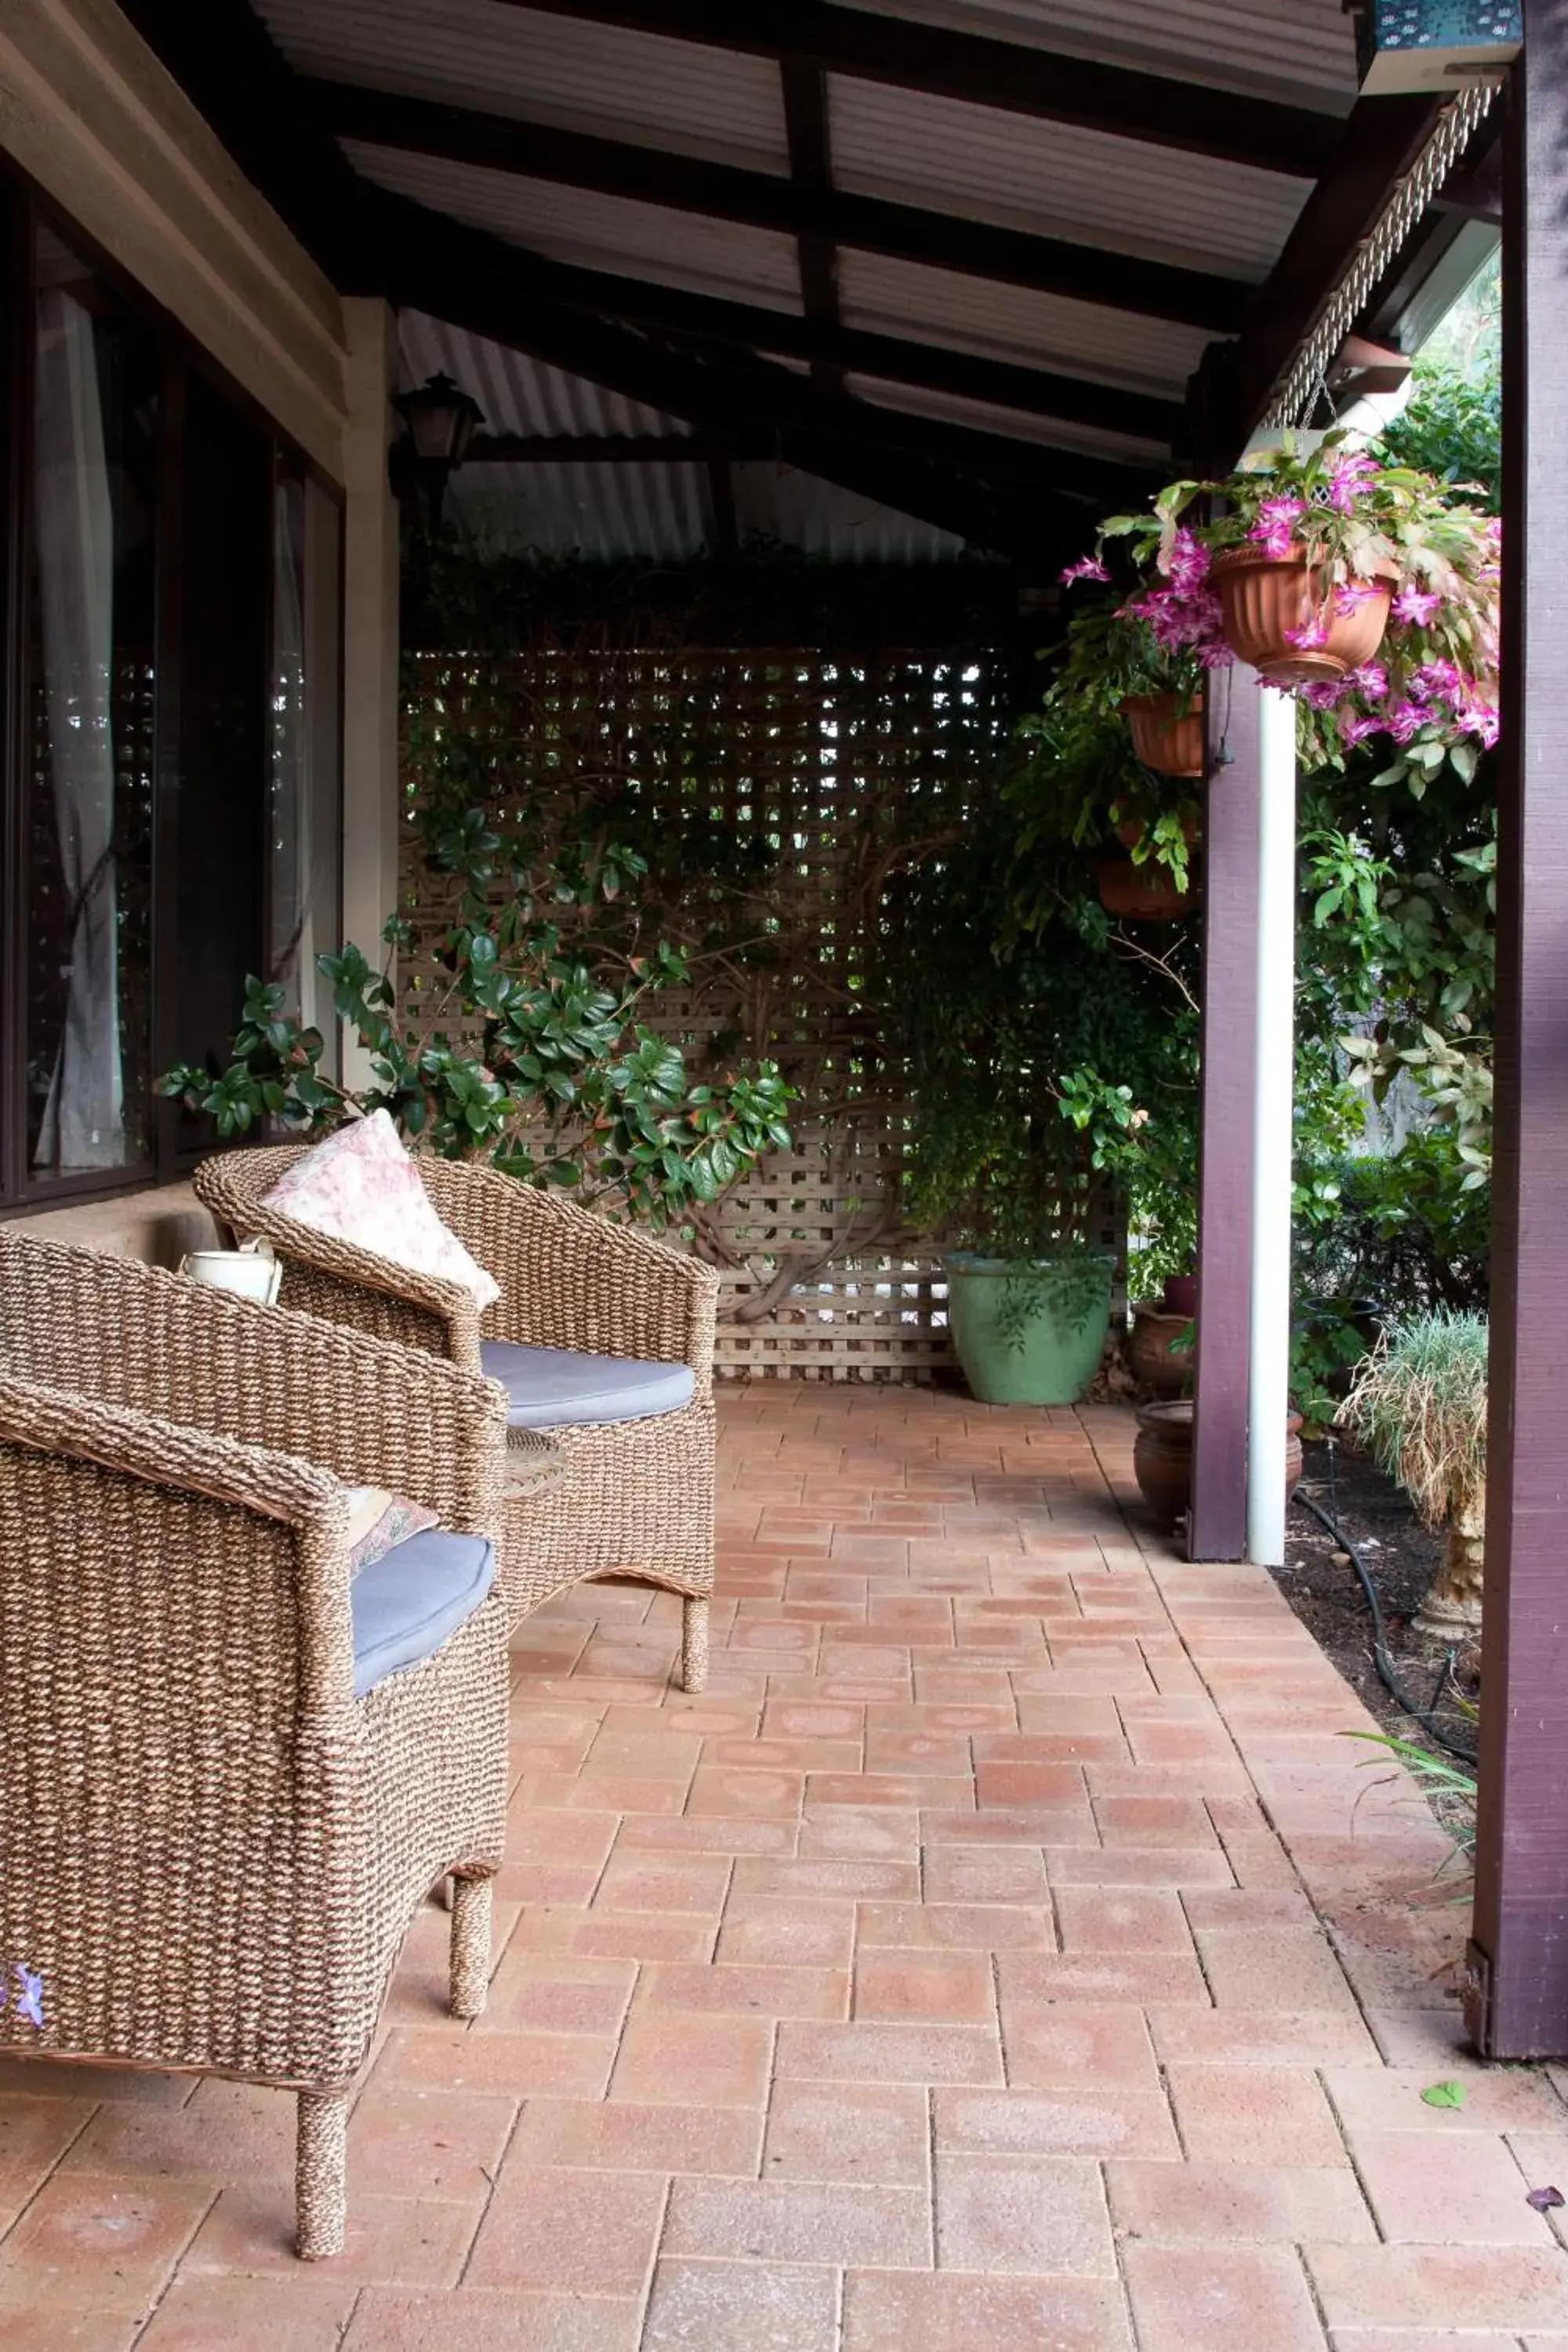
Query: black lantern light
[{"x": 441, "y": 418}]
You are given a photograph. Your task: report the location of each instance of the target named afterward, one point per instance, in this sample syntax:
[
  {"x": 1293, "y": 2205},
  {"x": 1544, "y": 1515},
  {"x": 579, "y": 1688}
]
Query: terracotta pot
[
  {"x": 1264, "y": 597},
  {"x": 1161, "y": 1351},
  {"x": 1163, "y": 1458},
  {"x": 1166, "y": 737},
  {"x": 1180, "y": 1295},
  {"x": 1141, "y": 894}
]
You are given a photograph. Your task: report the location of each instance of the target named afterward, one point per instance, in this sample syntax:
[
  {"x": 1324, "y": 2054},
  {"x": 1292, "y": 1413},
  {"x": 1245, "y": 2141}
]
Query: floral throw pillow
[
  {"x": 379, "y": 1521},
  {"x": 362, "y": 1186}
]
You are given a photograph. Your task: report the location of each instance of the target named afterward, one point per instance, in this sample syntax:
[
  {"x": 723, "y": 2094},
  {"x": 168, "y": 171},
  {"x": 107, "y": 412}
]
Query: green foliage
[{"x": 545, "y": 1063}]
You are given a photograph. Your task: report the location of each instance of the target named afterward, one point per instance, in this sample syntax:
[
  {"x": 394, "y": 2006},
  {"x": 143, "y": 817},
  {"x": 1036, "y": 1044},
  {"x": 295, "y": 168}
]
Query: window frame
[{"x": 23, "y": 207}]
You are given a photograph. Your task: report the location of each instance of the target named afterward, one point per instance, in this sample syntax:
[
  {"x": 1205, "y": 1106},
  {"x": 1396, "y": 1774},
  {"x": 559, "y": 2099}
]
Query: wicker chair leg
[
  {"x": 694, "y": 1644},
  {"x": 320, "y": 2176},
  {"x": 470, "y": 1945}
]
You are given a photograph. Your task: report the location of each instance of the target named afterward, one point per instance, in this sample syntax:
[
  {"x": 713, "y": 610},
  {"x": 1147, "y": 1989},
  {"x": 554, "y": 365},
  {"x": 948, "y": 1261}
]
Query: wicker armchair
[
  {"x": 212, "y": 1849},
  {"x": 636, "y": 1495}
]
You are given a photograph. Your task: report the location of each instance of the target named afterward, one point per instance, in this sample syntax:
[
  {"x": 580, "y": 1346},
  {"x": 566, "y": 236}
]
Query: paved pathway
[{"x": 1006, "y": 1954}]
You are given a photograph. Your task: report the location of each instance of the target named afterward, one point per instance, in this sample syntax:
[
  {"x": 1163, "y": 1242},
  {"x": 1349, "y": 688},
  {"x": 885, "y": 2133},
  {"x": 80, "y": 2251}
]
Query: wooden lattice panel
[{"x": 819, "y": 776}]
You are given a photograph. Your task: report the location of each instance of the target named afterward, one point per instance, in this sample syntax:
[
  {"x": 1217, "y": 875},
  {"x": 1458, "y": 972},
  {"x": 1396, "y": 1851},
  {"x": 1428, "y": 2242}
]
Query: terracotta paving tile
[
  {"x": 1425, "y": 2339},
  {"x": 954, "y": 1987},
  {"x": 730, "y": 1834},
  {"x": 1121, "y": 1919},
  {"x": 287, "y": 2314},
  {"x": 35, "y": 2133},
  {"x": 851, "y": 1832},
  {"x": 1177, "y": 1867},
  {"x": 878, "y": 2052},
  {"x": 742, "y": 2306},
  {"x": 1273, "y": 1969},
  {"x": 1204, "y": 2204},
  {"x": 956, "y": 1927},
  {"x": 765, "y": 1931},
  {"x": 453, "y": 2058},
  {"x": 986, "y": 1874},
  {"x": 569, "y": 2231},
  {"x": 1067, "y": 2045},
  {"x": 1149, "y": 1821},
  {"x": 1500, "y": 2287},
  {"x": 427, "y": 2143},
  {"x": 391, "y": 2241},
  {"x": 720, "y": 2061},
  {"x": 616, "y": 2135},
  {"x": 548, "y": 1995},
  {"x": 875, "y": 2131},
  {"x": 19, "y": 2078},
  {"x": 948, "y": 2312},
  {"x": 1463, "y": 2190},
  {"x": 1043, "y": 2215},
  {"x": 740, "y": 1990},
  {"x": 683, "y": 1882},
  {"x": 1203, "y": 2299},
  {"x": 1254, "y": 2114},
  {"x": 1087, "y": 2119},
  {"x": 1166, "y": 1978},
  {"x": 1497, "y": 2099},
  {"x": 1257, "y": 2037},
  {"x": 29, "y": 2326},
  {"x": 800, "y": 2221},
  {"x": 104, "y": 2242},
  {"x": 477, "y": 2321}
]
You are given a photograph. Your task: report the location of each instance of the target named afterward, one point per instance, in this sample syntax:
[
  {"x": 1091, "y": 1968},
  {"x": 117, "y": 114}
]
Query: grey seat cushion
[
  {"x": 406, "y": 1603},
  {"x": 558, "y": 1388}
]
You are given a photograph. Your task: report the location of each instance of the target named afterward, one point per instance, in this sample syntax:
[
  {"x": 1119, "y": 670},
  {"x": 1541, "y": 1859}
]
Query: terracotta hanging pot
[
  {"x": 1166, "y": 737},
  {"x": 1132, "y": 829},
  {"x": 1141, "y": 894},
  {"x": 1265, "y": 598},
  {"x": 1163, "y": 1458}
]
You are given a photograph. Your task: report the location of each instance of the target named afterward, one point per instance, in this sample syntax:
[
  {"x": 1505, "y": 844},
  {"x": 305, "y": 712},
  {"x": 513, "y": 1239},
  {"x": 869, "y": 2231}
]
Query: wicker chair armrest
[
  {"x": 231, "y": 1185},
  {"x": 372, "y": 1412},
  {"x": 268, "y": 1485},
  {"x": 571, "y": 1280}
]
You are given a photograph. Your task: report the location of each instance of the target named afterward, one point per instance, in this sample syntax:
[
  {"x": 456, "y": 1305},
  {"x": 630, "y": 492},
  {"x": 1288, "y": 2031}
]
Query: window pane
[
  {"x": 306, "y": 785},
  {"x": 89, "y": 783},
  {"x": 221, "y": 591}
]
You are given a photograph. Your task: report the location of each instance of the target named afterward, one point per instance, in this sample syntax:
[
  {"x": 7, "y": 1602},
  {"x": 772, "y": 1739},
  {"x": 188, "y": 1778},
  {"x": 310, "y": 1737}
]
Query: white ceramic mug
[{"x": 251, "y": 1273}]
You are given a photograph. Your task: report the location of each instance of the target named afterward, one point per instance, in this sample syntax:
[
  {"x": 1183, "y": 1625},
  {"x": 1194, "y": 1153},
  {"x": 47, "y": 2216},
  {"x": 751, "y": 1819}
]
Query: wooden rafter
[
  {"x": 767, "y": 201},
  {"x": 805, "y": 91},
  {"x": 1014, "y": 76}
]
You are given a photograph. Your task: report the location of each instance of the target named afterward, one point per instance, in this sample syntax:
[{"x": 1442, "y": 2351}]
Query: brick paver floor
[{"x": 1007, "y": 1953}]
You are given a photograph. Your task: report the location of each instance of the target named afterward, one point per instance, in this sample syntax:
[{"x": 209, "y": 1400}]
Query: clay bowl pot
[
  {"x": 1180, "y": 1295},
  {"x": 1163, "y": 1458},
  {"x": 1266, "y": 596},
  {"x": 1166, "y": 737},
  {"x": 1160, "y": 1351}
]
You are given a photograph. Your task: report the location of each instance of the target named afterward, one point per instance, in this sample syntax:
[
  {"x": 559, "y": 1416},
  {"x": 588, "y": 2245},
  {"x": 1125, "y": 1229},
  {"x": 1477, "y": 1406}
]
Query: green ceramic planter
[{"x": 1029, "y": 1332}]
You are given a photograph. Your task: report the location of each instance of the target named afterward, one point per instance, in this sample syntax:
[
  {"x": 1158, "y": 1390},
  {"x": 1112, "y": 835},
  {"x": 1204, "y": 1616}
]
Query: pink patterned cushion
[{"x": 362, "y": 1186}]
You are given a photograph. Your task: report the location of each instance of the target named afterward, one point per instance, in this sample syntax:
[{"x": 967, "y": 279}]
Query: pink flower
[
  {"x": 1273, "y": 529},
  {"x": 1355, "y": 729},
  {"x": 1215, "y": 656},
  {"x": 1348, "y": 477},
  {"x": 1323, "y": 693},
  {"x": 1371, "y": 681},
  {"x": 1415, "y": 606},
  {"x": 1312, "y": 634},
  {"x": 1188, "y": 565},
  {"x": 1437, "y": 681},
  {"x": 1087, "y": 567},
  {"x": 1405, "y": 721},
  {"x": 1480, "y": 719},
  {"x": 1351, "y": 594}
]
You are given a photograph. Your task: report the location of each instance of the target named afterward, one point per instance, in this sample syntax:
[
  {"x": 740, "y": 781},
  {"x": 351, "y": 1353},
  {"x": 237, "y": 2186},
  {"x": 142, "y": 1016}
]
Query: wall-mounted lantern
[
  {"x": 1432, "y": 45},
  {"x": 441, "y": 418}
]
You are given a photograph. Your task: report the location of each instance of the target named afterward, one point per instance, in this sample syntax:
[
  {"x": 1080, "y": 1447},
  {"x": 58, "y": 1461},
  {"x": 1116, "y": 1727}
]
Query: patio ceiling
[{"x": 960, "y": 258}]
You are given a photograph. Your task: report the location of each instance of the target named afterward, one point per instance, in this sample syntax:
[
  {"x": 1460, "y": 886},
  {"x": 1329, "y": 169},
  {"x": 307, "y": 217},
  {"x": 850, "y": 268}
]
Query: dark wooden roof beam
[{"x": 767, "y": 201}]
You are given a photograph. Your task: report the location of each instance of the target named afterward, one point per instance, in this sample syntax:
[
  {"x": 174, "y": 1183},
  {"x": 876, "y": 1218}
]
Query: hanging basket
[
  {"x": 1141, "y": 894},
  {"x": 1166, "y": 737},
  {"x": 1265, "y": 598}
]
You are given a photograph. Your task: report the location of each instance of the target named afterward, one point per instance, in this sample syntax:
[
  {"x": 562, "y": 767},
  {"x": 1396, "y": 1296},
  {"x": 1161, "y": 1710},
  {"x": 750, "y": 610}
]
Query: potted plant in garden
[
  {"x": 1314, "y": 557},
  {"x": 1153, "y": 676},
  {"x": 1419, "y": 1405}
]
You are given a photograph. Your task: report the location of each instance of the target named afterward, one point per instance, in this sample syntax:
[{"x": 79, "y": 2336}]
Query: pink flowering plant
[{"x": 1353, "y": 518}]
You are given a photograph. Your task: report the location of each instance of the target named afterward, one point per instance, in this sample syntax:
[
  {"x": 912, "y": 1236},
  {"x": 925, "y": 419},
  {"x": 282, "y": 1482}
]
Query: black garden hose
[{"x": 1425, "y": 1715}]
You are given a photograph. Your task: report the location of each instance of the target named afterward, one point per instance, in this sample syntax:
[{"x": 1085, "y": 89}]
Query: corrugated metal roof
[
  {"x": 506, "y": 60},
  {"x": 779, "y": 502},
  {"x": 519, "y": 394},
  {"x": 903, "y": 297},
  {"x": 1017, "y": 424},
  {"x": 1296, "y": 50},
  {"x": 596, "y": 232},
  {"x": 1058, "y": 181}
]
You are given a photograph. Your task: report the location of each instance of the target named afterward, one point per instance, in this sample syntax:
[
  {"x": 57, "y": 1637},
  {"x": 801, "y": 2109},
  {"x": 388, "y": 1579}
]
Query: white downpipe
[{"x": 1269, "y": 1342}]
